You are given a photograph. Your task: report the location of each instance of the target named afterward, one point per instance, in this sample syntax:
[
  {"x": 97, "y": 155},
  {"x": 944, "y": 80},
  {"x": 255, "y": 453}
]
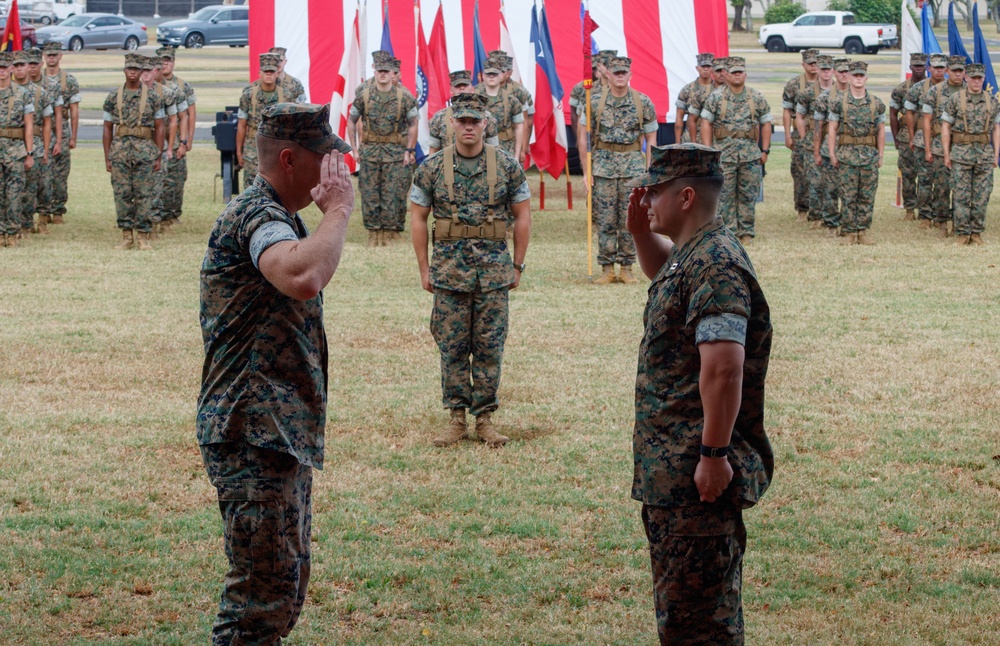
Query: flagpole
[
  {"x": 588, "y": 162},
  {"x": 569, "y": 183},
  {"x": 541, "y": 190}
]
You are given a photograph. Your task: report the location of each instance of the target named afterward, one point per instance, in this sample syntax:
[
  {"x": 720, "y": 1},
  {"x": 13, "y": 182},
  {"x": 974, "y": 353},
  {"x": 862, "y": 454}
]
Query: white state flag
[{"x": 911, "y": 42}]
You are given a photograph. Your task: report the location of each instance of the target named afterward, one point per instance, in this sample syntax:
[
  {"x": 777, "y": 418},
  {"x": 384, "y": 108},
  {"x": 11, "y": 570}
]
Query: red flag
[
  {"x": 589, "y": 27},
  {"x": 438, "y": 54},
  {"x": 348, "y": 79},
  {"x": 12, "y": 32}
]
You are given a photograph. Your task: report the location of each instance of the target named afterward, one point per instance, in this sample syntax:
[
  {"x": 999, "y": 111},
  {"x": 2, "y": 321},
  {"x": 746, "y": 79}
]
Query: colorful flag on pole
[
  {"x": 981, "y": 54},
  {"x": 428, "y": 87},
  {"x": 507, "y": 45},
  {"x": 12, "y": 32},
  {"x": 349, "y": 77},
  {"x": 930, "y": 41},
  {"x": 438, "y": 45},
  {"x": 584, "y": 17},
  {"x": 910, "y": 41},
  {"x": 955, "y": 45},
  {"x": 386, "y": 33},
  {"x": 478, "y": 49},
  {"x": 549, "y": 148}
]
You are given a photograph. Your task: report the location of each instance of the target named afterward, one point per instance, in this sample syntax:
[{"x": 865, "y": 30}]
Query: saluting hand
[
  {"x": 334, "y": 191},
  {"x": 637, "y": 221}
]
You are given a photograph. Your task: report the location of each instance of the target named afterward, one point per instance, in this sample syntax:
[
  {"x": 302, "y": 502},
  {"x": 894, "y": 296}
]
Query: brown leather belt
[
  {"x": 370, "y": 138},
  {"x": 619, "y": 148},
  {"x": 12, "y": 133},
  {"x": 725, "y": 133},
  {"x": 445, "y": 230},
  {"x": 142, "y": 132},
  {"x": 848, "y": 140},
  {"x": 506, "y": 135},
  {"x": 966, "y": 138}
]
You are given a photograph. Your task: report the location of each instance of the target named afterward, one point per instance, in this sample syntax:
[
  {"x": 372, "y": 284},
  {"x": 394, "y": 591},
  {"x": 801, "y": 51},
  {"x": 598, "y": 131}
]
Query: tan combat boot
[
  {"x": 976, "y": 239},
  {"x": 910, "y": 215},
  {"x": 864, "y": 239},
  {"x": 10, "y": 240},
  {"x": 43, "y": 224},
  {"x": 372, "y": 238},
  {"x": 944, "y": 230},
  {"x": 803, "y": 215},
  {"x": 961, "y": 240},
  {"x": 816, "y": 224},
  {"x": 382, "y": 238},
  {"x": 746, "y": 240},
  {"x": 392, "y": 237},
  {"x": 832, "y": 232},
  {"x": 849, "y": 238},
  {"x": 143, "y": 242},
  {"x": 607, "y": 277},
  {"x": 626, "y": 276},
  {"x": 925, "y": 224},
  {"x": 57, "y": 219},
  {"x": 456, "y": 430},
  {"x": 128, "y": 239},
  {"x": 488, "y": 434}
]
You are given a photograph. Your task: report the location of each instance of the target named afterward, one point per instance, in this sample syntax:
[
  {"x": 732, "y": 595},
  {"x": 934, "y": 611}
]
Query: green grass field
[{"x": 881, "y": 526}]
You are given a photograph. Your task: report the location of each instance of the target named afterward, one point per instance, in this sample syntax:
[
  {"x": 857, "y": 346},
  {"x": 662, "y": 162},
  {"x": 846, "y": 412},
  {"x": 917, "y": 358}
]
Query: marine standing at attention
[
  {"x": 258, "y": 95},
  {"x": 477, "y": 194},
  {"x": 57, "y": 174},
  {"x": 702, "y": 86},
  {"x": 905, "y": 161},
  {"x": 800, "y": 152},
  {"x": 17, "y": 138},
  {"x": 441, "y": 132}
]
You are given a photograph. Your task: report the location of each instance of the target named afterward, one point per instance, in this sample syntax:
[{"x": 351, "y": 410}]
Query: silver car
[
  {"x": 95, "y": 31},
  {"x": 214, "y": 25}
]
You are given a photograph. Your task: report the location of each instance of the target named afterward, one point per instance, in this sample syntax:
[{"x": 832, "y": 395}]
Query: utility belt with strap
[
  {"x": 506, "y": 135},
  {"x": 935, "y": 129},
  {"x": 446, "y": 230},
  {"x": 142, "y": 132},
  {"x": 635, "y": 146},
  {"x": 967, "y": 138},
  {"x": 849, "y": 140},
  {"x": 12, "y": 133},
  {"x": 371, "y": 138},
  {"x": 722, "y": 132}
]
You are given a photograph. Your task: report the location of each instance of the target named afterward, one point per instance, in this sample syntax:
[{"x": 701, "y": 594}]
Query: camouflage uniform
[
  {"x": 36, "y": 190},
  {"x": 578, "y": 95},
  {"x": 170, "y": 97},
  {"x": 804, "y": 101},
  {"x": 56, "y": 174},
  {"x": 938, "y": 175},
  {"x": 383, "y": 179},
  {"x": 735, "y": 134},
  {"x": 828, "y": 185},
  {"x": 132, "y": 155},
  {"x": 972, "y": 117},
  {"x": 617, "y": 131},
  {"x": 801, "y": 153},
  {"x": 913, "y": 102},
  {"x": 692, "y": 93},
  {"x": 508, "y": 111},
  {"x": 442, "y": 135},
  {"x": 906, "y": 160},
  {"x": 252, "y": 103},
  {"x": 15, "y": 106},
  {"x": 293, "y": 88},
  {"x": 859, "y": 119},
  {"x": 175, "y": 177},
  {"x": 707, "y": 291},
  {"x": 470, "y": 276}
]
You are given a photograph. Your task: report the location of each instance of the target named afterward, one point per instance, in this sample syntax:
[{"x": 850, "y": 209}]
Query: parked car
[
  {"x": 828, "y": 29},
  {"x": 95, "y": 31},
  {"x": 28, "y": 36},
  {"x": 47, "y": 12},
  {"x": 214, "y": 25}
]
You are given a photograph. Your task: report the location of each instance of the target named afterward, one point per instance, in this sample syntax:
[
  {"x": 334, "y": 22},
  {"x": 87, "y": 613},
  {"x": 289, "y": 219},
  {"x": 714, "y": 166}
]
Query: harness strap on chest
[
  {"x": 449, "y": 132},
  {"x": 143, "y": 97},
  {"x": 491, "y": 179},
  {"x": 602, "y": 104},
  {"x": 723, "y": 132},
  {"x": 254, "y": 101}
]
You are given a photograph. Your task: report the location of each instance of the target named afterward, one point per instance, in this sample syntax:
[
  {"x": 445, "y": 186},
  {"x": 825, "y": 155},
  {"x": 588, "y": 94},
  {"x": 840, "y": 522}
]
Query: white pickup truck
[
  {"x": 46, "y": 11},
  {"x": 828, "y": 29}
]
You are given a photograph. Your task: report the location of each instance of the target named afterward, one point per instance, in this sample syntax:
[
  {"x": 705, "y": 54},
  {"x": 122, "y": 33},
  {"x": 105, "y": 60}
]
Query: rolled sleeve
[
  {"x": 160, "y": 114},
  {"x": 787, "y": 105},
  {"x": 267, "y": 235},
  {"x": 433, "y": 142},
  {"x": 242, "y": 114},
  {"x": 109, "y": 117},
  {"x": 708, "y": 116},
  {"x": 420, "y": 197},
  {"x": 412, "y": 113},
  {"x": 76, "y": 98},
  {"x": 766, "y": 118},
  {"x": 800, "y": 109},
  {"x": 522, "y": 193},
  {"x": 652, "y": 126},
  {"x": 833, "y": 116},
  {"x": 518, "y": 118},
  {"x": 926, "y": 108},
  {"x": 912, "y": 107},
  {"x": 721, "y": 327},
  {"x": 894, "y": 104}
]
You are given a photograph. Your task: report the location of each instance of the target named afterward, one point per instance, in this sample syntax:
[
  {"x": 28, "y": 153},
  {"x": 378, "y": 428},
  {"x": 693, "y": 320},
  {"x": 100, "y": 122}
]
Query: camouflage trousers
[
  {"x": 249, "y": 172},
  {"x": 56, "y": 176},
  {"x": 925, "y": 185},
  {"x": 134, "y": 184},
  {"x": 11, "y": 194},
  {"x": 940, "y": 187},
  {"x": 610, "y": 209},
  {"x": 813, "y": 177},
  {"x": 857, "y": 195},
  {"x": 738, "y": 202},
  {"x": 828, "y": 194},
  {"x": 470, "y": 325},
  {"x": 971, "y": 186},
  {"x": 907, "y": 164},
  {"x": 35, "y": 192},
  {"x": 265, "y": 498},
  {"x": 801, "y": 161},
  {"x": 384, "y": 188},
  {"x": 172, "y": 193},
  {"x": 696, "y": 555},
  {"x": 158, "y": 176}
]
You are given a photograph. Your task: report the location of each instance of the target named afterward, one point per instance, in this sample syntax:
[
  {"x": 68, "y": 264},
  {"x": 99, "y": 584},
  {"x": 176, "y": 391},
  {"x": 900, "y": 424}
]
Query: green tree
[
  {"x": 738, "y": 6},
  {"x": 783, "y": 11}
]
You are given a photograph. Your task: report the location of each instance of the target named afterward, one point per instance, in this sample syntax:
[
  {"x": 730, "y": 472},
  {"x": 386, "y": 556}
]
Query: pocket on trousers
[{"x": 254, "y": 510}]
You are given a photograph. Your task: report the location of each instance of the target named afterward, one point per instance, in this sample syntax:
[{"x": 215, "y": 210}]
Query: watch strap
[{"x": 714, "y": 452}]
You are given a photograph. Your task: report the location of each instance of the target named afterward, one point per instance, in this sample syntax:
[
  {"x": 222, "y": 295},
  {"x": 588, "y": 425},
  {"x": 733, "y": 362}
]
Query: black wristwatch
[
  {"x": 520, "y": 267},
  {"x": 184, "y": 142},
  {"x": 766, "y": 151},
  {"x": 714, "y": 452},
  {"x": 411, "y": 150}
]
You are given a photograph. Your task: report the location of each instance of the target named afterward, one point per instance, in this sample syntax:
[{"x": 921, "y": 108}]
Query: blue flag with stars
[{"x": 981, "y": 54}]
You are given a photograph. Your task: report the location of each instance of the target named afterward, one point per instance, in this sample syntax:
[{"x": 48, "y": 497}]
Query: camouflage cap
[
  {"x": 134, "y": 61},
  {"x": 939, "y": 60},
  {"x": 606, "y": 55},
  {"x": 720, "y": 63},
  {"x": 149, "y": 63},
  {"x": 396, "y": 64},
  {"x": 280, "y": 51},
  {"x": 493, "y": 64},
  {"x": 33, "y": 55},
  {"x": 307, "y": 124},
  {"x": 736, "y": 64},
  {"x": 469, "y": 106},
  {"x": 167, "y": 51},
  {"x": 918, "y": 59},
  {"x": 975, "y": 70},
  {"x": 705, "y": 59},
  {"x": 620, "y": 64},
  {"x": 6, "y": 59},
  {"x": 269, "y": 62},
  {"x": 382, "y": 61},
  {"x": 679, "y": 160},
  {"x": 841, "y": 64},
  {"x": 461, "y": 77},
  {"x": 956, "y": 62},
  {"x": 20, "y": 58},
  {"x": 824, "y": 62},
  {"x": 502, "y": 57},
  {"x": 809, "y": 56},
  {"x": 52, "y": 46},
  {"x": 858, "y": 68}
]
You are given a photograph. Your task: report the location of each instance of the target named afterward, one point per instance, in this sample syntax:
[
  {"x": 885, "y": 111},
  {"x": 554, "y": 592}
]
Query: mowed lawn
[{"x": 881, "y": 526}]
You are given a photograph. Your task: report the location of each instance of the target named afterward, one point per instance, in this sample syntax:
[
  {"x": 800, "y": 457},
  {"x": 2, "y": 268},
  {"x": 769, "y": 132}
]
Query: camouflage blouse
[
  {"x": 293, "y": 89},
  {"x": 12, "y": 115},
  {"x": 707, "y": 291},
  {"x": 933, "y": 105},
  {"x": 858, "y": 122},
  {"x": 264, "y": 378},
  {"x": 980, "y": 114},
  {"x": 738, "y": 119},
  {"x": 135, "y": 148},
  {"x": 380, "y": 118},
  {"x": 471, "y": 264},
  {"x": 897, "y": 101},
  {"x": 44, "y": 105},
  {"x": 693, "y": 91},
  {"x": 438, "y": 129},
  {"x": 522, "y": 94},
  {"x": 620, "y": 123},
  {"x": 821, "y": 110},
  {"x": 914, "y": 99}
]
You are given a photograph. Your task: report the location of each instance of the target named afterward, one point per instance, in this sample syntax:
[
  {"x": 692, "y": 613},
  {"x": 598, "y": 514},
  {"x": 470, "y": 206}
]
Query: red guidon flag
[{"x": 12, "y": 32}]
